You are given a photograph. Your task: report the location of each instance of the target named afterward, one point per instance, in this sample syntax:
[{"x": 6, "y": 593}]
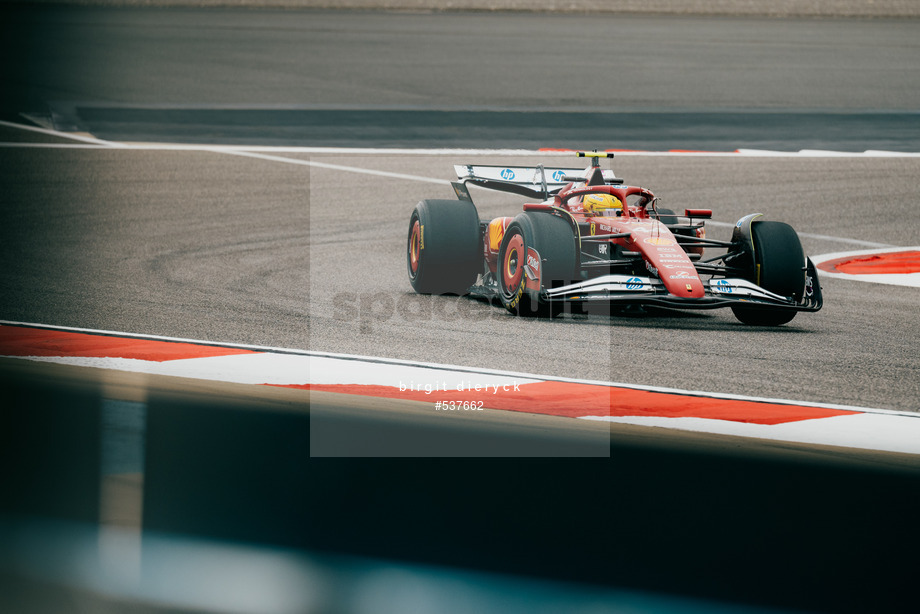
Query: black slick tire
[
  {"x": 443, "y": 248},
  {"x": 778, "y": 266},
  {"x": 554, "y": 241}
]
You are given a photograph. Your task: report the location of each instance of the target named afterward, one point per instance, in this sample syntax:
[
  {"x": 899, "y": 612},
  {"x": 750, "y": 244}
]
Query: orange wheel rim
[
  {"x": 513, "y": 264},
  {"x": 414, "y": 247}
]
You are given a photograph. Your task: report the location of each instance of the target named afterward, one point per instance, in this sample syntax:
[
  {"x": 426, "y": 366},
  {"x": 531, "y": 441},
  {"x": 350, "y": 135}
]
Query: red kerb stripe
[
  {"x": 875, "y": 264},
  {"x": 581, "y": 400},
  {"x": 20, "y": 341}
]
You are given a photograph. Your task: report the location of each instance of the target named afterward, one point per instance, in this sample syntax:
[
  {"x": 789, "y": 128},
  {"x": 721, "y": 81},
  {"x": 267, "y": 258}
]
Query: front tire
[
  {"x": 778, "y": 266},
  {"x": 443, "y": 249}
]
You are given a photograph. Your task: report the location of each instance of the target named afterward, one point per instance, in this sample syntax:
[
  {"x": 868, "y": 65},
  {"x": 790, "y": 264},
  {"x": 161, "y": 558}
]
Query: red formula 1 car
[{"x": 592, "y": 238}]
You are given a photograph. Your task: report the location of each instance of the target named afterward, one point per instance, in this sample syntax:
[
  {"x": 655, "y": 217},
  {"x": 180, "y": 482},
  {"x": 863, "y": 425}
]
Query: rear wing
[{"x": 532, "y": 181}]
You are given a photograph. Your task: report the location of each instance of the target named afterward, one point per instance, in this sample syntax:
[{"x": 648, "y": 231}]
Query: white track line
[
  {"x": 55, "y": 133},
  {"x": 809, "y": 235},
  {"x": 446, "y": 152},
  {"x": 262, "y": 153},
  {"x": 337, "y": 167},
  {"x": 802, "y": 153}
]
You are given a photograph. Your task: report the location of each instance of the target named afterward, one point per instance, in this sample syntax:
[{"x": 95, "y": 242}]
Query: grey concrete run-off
[{"x": 767, "y": 8}]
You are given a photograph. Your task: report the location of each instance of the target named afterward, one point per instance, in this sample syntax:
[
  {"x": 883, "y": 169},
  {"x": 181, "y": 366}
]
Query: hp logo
[
  {"x": 634, "y": 283},
  {"x": 507, "y": 174}
]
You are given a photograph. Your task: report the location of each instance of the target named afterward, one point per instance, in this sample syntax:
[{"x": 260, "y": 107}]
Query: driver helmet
[{"x": 599, "y": 204}]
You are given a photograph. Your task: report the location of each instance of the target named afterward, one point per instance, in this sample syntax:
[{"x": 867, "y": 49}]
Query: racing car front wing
[{"x": 721, "y": 292}]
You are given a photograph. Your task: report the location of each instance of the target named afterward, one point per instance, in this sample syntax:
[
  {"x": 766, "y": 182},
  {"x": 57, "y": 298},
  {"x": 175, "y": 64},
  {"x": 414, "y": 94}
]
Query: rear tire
[
  {"x": 444, "y": 249},
  {"x": 552, "y": 238},
  {"x": 779, "y": 266}
]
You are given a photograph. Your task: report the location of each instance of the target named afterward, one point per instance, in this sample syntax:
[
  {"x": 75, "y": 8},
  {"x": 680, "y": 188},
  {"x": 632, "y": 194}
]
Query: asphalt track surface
[
  {"x": 222, "y": 247},
  {"x": 293, "y": 250}
]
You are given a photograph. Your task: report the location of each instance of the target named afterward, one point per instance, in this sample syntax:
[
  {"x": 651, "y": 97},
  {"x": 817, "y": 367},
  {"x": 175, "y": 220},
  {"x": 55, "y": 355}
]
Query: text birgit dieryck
[{"x": 463, "y": 386}]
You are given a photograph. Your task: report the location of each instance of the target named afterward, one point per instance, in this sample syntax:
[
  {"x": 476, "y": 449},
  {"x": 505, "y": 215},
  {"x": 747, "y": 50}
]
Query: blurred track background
[{"x": 301, "y": 252}]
